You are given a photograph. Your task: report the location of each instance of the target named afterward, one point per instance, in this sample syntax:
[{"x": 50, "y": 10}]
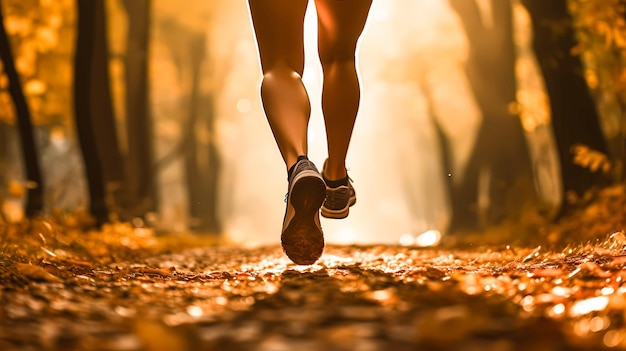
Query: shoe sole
[
  {"x": 303, "y": 240},
  {"x": 340, "y": 213}
]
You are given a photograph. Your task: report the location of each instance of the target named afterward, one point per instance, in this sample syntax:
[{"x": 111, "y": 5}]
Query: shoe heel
[{"x": 308, "y": 194}]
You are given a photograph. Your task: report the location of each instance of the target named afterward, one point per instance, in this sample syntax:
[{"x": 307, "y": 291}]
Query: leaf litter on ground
[{"x": 128, "y": 288}]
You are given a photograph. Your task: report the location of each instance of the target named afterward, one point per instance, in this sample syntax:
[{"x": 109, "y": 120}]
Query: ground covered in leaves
[{"x": 127, "y": 288}]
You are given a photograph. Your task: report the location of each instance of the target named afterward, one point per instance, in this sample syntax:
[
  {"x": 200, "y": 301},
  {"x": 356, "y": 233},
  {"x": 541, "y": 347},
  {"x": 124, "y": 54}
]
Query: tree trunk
[
  {"x": 3, "y": 149},
  {"x": 92, "y": 103},
  {"x": 500, "y": 160},
  {"x": 34, "y": 203},
  {"x": 205, "y": 169},
  {"x": 201, "y": 159},
  {"x": 103, "y": 118},
  {"x": 574, "y": 115},
  {"x": 140, "y": 185}
]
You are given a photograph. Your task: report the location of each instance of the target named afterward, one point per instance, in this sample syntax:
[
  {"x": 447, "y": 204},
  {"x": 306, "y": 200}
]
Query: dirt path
[{"x": 79, "y": 297}]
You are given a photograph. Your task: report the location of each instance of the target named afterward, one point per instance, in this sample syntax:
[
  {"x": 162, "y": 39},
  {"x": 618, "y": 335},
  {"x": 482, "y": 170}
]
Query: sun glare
[
  {"x": 584, "y": 307},
  {"x": 410, "y": 61},
  {"x": 428, "y": 238}
]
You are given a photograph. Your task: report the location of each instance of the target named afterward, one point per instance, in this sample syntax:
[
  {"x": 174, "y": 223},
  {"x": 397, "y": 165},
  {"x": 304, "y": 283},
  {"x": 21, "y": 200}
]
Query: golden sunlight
[{"x": 410, "y": 62}]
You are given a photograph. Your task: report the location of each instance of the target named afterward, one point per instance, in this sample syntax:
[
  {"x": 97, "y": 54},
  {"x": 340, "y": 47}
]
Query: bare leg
[
  {"x": 279, "y": 29},
  {"x": 340, "y": 24}
]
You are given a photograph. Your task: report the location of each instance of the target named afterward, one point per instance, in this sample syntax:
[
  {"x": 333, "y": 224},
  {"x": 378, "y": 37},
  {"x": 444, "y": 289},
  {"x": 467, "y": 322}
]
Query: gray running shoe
[
  {"x": 338, "y": 200},
  {"x": 302, "y": 237}
]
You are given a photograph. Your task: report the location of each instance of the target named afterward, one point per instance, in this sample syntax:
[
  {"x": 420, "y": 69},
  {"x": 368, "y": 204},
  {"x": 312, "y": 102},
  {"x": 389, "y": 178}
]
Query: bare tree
[
  {"x": 200, "y": 155},
  {"x": 500, "y": 160}
]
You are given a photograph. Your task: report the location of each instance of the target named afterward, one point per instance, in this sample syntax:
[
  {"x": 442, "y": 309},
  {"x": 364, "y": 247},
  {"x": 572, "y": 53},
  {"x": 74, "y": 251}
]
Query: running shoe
[
  {"x": 339, "y": 199},
  {"x": 302, "y": 238}
]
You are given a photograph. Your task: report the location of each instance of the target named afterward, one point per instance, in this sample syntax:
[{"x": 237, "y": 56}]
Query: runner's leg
[
  {"x": 279, "y": 29},
  {"x": 340, "y": 24}
]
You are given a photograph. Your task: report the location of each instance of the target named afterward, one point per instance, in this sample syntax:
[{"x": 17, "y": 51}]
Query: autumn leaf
[
  {"x": 591, "y": 159},
  {"x": 37, "y": 273}
]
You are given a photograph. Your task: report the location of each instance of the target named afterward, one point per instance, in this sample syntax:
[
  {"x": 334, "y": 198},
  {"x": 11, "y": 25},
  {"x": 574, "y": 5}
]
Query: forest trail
[{"x": 125, "y": 289}]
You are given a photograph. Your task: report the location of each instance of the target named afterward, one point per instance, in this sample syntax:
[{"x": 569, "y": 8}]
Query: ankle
[
  {"x": 338, "y": 173},
  {"x": 337, "y": 182},
  {"x": 290, "y": 171}
]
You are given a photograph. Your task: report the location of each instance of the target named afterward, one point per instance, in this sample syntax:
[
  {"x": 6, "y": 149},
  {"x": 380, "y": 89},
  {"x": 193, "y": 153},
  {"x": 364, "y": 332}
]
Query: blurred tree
[
  {"x": 3, "y": 152},
  {"x": 202, "y": 163},
  {"x": 34, "y": 203},
  {"x": 140, "y": 191},
  {"x": 500, "y": 162},
  {"x": 93, "y": 110},
  {"x": 201, "y": 159},
  {"x": 575, "y": 120}
]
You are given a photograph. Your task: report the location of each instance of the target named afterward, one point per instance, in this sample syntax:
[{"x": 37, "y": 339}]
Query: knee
[
  {"x": 338, "y": 55},
  {"x": 281, "y": 71}
]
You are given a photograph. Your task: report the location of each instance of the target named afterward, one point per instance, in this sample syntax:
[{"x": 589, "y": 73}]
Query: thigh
[
  {"x": 340, "y": 24},
  {"x": 279, "y": 29}
]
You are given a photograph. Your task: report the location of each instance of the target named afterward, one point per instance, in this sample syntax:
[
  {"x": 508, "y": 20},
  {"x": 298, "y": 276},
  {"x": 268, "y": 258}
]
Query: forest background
[{"x": 499, "y": 116}]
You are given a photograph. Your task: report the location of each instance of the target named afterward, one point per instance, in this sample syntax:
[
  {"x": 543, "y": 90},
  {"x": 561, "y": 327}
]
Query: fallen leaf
[{"x": 37, "y": 273}]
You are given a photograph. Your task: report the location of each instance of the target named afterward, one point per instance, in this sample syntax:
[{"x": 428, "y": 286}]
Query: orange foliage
[{"x": 41, "y": 33}]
